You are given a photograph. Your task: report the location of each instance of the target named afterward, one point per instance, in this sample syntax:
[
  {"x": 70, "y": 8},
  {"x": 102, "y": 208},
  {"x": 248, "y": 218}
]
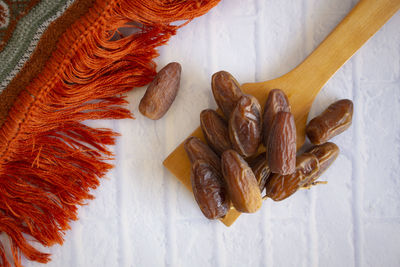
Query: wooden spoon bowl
[{"x": 304, "y": 82}]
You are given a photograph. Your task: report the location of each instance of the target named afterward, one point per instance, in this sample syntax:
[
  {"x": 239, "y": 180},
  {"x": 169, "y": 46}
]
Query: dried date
[
  {"x": 333, "y": 121},
  {"x": 226, "y": 91},
  {"x": 277, "y": 101},
  {"x": 326, "y": 155},
  {"x": 215, "y": 130},
  {"x": 282, "y": 144},
  {"x": 161, "y": 92},
  {"x": 245, "y": 126},
  {"x": 280, "y": 186},
  {"x": 197, "y": 150},
  {"x": 241, "y": 183},
  {"x": 209, "y": 190},
  {"x": 261, "y": 170}
]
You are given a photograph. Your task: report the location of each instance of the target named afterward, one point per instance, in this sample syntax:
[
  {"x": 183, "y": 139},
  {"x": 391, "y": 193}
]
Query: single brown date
[
  {"x": 280, "y": 186},
  {"x": 245, "y": 126},
  {"x": 277, "y": 101},
  {"x": 333, "y": 121},
  {"x": 197, "y": 150},
  {"x": 241, "y": 183},
  {"x": 215, "y": 130},
  {"x": 226, "y": 91},
  {"x": 326, "y": 155},
  {"x": 161, "y": 92},
  {"x": 261, "y": 170},
  {"x": 209, "y": 190},
  {"x": 282, "y": 144}
]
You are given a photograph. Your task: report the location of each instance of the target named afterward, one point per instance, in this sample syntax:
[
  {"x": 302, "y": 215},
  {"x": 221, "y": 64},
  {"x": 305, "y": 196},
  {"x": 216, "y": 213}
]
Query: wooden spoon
[{"x": 303, "y": 83}]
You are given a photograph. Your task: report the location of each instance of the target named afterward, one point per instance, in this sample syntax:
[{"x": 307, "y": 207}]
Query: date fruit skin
[
  {"x": 245, "y": 126},
  {"x": 280, "y": 186},
  {"x": 242, "y": 185},
  {"x": 277, "y": 101},
  {"x": 281, "y": 150},
  {"x": 326, "y": 155},
  {"x": 226, "y": 91},
  {"x": 161, "y": 92},
  {"x": 197, "y": 150},
  {"x": 209, "y": 190},
  {"x": 333, "y": 121},
  {"x": 215, "y": 130},
  {"x": 261, "y": 170}
]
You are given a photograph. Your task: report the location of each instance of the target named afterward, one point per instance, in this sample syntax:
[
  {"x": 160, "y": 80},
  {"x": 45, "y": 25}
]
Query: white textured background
[{"x": 143, "y": 216}]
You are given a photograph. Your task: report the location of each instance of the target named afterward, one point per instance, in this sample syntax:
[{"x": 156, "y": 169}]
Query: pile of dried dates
[{"x": 230, "y": 170}]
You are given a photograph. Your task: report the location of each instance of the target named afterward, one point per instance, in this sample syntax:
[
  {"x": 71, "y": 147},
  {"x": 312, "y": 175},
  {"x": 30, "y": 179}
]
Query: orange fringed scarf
[{"x": 49, "y": 160}]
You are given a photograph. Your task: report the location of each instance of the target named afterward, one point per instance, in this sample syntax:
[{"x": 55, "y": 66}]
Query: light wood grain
[{"x": 304, "y": 82}]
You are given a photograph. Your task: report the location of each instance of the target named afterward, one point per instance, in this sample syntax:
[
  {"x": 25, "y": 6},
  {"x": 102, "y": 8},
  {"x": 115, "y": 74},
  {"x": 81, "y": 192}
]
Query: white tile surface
[{"x": 143, "y": 217}]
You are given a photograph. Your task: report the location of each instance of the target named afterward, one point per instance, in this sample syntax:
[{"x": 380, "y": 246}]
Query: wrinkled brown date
[
  {"x": 277, "y": 101},
  {"x": 197, "y": 150},
  {"x": 261, "y": 170},
  {"x": 333, "y": 121},
  {"x": 326, "y": 155},
  {"x": 245, "y": 126},
  {"x": 161, "y": 92},
  {"x": 242, "y": 185},
  {"x": 280, "y": 186},
  {"x": 209, "y": 190},
  {"x": 226, "y": 91},
  {"x": 282, "y": 144},
  {"x": 215, "y": 130}
]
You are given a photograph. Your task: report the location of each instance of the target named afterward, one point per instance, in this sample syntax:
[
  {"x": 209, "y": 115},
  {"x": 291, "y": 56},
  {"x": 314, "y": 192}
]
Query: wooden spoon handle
[{"x": 366, "y": 18}]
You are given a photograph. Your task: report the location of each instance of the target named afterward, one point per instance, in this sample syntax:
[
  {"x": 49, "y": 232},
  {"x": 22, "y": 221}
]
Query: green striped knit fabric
[{"x": 26, "y": 34}]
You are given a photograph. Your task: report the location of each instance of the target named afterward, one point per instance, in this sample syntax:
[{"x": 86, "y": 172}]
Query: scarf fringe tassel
[{"x": 50, "y": 160}]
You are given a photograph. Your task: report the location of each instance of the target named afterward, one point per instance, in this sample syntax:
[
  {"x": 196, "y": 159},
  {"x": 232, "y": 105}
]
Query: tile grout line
[
  {"x": 164, "y": 152},
  {"x": 170, "y": 197},
  {"x": 395, "y": 220},
  {"x": 356, "y": 170},
  {"x": 169, "y": 206},
  {"x": 77, "y": 240},
  {"x": 313, "y": 257},
  {"x": 120, "y": 203},
  {"x": 212, "y": 56}
]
